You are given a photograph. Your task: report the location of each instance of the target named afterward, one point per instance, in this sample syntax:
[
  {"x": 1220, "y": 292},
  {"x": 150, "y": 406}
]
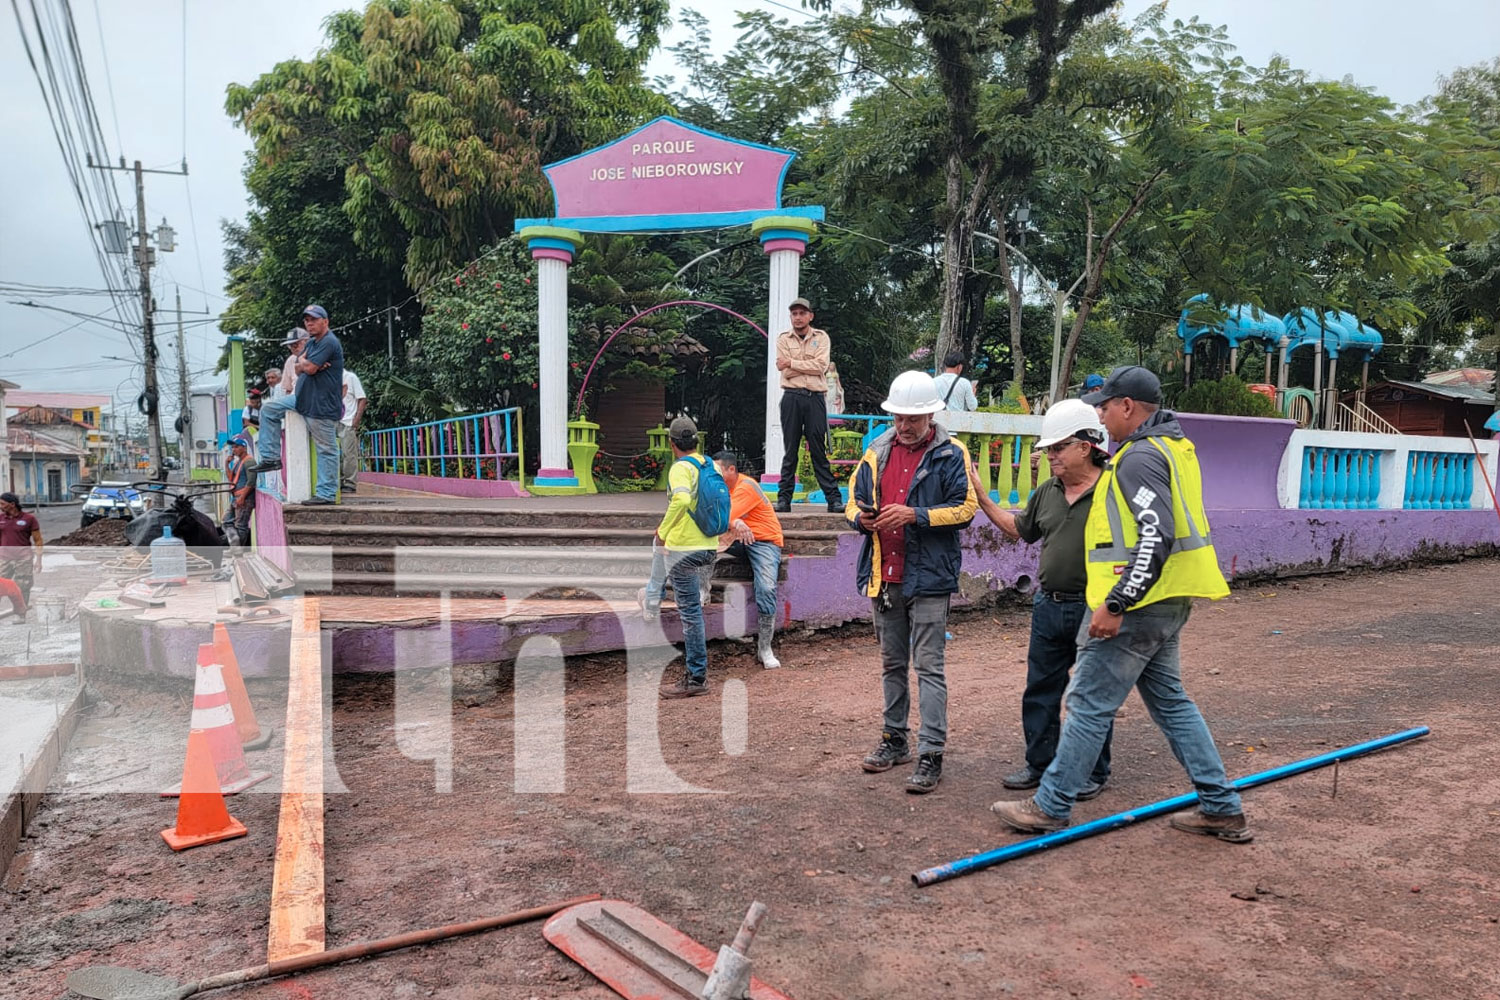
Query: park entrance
[{"x": 665, "y": 176}]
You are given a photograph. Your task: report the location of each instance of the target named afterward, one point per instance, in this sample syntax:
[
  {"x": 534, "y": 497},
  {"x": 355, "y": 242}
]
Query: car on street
[{"x": 112, "y": 499}]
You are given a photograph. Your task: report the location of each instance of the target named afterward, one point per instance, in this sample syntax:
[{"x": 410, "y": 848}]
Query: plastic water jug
[{"x": 168, "y": 558}]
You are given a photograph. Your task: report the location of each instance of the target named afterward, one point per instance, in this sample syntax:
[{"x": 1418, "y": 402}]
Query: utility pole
[
  {"x": 185, "y": 417},
  {"x": 145, "y": 256},
  {"x": 390, "y": 336}
]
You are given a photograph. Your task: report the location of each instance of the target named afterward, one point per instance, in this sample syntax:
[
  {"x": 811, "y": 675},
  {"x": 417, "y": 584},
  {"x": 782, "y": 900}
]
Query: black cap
[{"x": 1129, "y": 381}]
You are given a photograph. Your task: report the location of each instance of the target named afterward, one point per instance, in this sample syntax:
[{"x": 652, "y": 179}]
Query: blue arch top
[
  {"x": 1239, "y": 324},
  {"x": 1336, "y": 332}
]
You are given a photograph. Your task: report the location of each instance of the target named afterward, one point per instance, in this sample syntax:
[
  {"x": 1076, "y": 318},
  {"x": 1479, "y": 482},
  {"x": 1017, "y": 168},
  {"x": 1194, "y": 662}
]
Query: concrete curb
[{"x": 23, "y": 801}]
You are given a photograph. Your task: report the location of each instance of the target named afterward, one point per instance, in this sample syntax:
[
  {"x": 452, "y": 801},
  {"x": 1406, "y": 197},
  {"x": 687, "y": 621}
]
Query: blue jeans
[
  {"x": 268, "y": 444},
  {"x": 1144, "y": 655},
  {"x": 1054, "y": 648},
  {"x": 688, "y": 571},
  {"x": 765, "y": 564},
  {"x": 325, "y": 436}
]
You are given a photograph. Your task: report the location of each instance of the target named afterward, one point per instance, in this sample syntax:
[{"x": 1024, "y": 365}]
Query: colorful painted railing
[
  {"x": 472, "y": 446},
  {"x": 1438, "y": 480},
  {"x": 1340, "y": 478}
]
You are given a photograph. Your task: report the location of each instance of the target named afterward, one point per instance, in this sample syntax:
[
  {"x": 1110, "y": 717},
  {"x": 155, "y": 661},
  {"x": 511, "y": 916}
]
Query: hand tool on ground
[
  {"x": 103, "y": 982},
  {"x": 636, "y": 955},
  {"x": 730, "y": 978}
]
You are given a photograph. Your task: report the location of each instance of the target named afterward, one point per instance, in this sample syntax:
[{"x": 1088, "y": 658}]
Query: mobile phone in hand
[{"x": 867, "y": 508}]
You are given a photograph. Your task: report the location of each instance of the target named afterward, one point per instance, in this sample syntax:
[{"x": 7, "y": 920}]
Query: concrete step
[
  {"x": 367, "y": 517},
  {"x": 514, "y": 586},
  {"x": 802, "y": 541},
  {"x": 563, "y": 564}
]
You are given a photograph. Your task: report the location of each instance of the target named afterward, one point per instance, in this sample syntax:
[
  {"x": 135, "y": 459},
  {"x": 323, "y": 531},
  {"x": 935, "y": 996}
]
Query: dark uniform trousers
[{"x": 804, "y": 416}]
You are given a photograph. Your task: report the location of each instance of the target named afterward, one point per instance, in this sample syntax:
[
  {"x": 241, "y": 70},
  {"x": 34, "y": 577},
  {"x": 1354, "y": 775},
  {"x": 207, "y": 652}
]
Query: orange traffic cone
[
  {"x": 212, "y": 714},
  {"x": 251, "y": 736},
  {"x": 202, "y": 817}
]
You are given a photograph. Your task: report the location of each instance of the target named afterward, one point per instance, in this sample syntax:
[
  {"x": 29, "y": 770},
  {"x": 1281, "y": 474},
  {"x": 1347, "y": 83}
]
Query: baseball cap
[
  {"x": 800, "y": 303},
  {"x": 240, "y": 440},
  {"x": 256, "y": 392},
  {"x": 1131, "y": 381},
  {"x": 683, "y": 432},
  {"x": 295, "y": 336},
  {"x": 1092, "y": 382},
  {"x": 316, "y": 311}
]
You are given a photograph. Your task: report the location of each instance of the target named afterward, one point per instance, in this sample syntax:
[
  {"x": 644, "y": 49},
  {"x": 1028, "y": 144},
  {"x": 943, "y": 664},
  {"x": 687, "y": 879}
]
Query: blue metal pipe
[{"x": 953, "y": 869}]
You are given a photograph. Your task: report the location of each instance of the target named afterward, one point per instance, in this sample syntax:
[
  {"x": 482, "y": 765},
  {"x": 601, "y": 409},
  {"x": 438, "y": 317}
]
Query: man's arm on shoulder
[
  {"x": 959, "y": 498},
  {"x": 1145, "y": 480}
]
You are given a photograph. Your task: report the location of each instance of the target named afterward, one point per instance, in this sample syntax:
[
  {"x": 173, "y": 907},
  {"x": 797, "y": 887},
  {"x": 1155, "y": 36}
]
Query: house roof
[
  {"x": 24, "y": 441},
  {"x": 6, "y": 385},
  {"x": 1479, "y": 378},
  {"x": 39, "y": 414},
  {"x": 1466, "y": 393},
  {"x": 55, "y": 400}
]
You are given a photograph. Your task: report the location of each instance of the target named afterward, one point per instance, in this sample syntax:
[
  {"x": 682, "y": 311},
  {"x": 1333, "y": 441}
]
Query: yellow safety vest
[{"x": 1192, "y": 567}]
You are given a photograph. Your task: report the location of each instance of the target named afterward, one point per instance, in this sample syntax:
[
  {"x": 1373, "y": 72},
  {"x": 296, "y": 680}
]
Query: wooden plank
[{"x": 297, "y": 915}]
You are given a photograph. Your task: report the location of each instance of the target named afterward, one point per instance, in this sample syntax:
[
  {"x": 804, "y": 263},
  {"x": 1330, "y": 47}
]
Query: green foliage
[{"x": 1227, "y": 396}]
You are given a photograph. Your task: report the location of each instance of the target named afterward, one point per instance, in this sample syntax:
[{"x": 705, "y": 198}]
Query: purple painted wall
[
  {"x": 270, "y": 532},
  {"x": 1239, "y": 457},
  {"x": 445, "y": 485}
]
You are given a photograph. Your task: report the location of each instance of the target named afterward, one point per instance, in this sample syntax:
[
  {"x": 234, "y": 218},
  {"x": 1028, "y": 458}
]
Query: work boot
[
  {"x": 1027, "y": 817},
  {"x": 1091, "y": 790},
  {"x": 835, "y": 507},
  {"x": 891, "y": 751},
  {"x": 1026, "y": 777},
  {"x": 763, "y": 651},
  {"x": 927, "y": 775},
  {"x": 270, "y": 465},
  {"x": 686, "y": 687},
  {"x": 783, "y": 506},
  {"x": 1232, "y": 828}
]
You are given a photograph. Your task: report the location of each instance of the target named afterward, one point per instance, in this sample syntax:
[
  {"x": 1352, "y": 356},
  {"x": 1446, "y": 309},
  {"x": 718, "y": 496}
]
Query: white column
[
  {"x": 784, "y": 239},
  {"x": 552, "y": 364},
  {"x": 786, "y": 274},
  {"x": 552, "y": 249},
  {"x": 297, "y": 458}
]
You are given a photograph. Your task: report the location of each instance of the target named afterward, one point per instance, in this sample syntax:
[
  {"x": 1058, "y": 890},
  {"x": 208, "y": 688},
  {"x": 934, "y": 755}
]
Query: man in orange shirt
[{"x": 757, "y": 538}]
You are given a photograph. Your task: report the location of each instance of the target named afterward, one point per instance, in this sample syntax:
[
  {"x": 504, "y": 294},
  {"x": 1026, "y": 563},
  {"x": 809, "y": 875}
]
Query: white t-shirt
[
  {"x": 353, "y": 393},
  {"x": 962, "y": 398}
]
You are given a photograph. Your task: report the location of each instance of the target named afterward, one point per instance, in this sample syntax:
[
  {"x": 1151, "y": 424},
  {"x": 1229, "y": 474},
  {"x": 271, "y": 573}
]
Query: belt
[
  {"x": 803, "y": 392},
  {"x": 1058, "y": 597}
]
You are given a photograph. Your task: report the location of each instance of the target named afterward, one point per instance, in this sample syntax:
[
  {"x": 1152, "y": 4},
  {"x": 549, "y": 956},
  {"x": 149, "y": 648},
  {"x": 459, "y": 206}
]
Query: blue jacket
[{"x": 945, "y": 503}]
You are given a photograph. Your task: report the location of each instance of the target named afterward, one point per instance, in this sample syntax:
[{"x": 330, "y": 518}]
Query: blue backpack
[{"x": 711, "y": 501}]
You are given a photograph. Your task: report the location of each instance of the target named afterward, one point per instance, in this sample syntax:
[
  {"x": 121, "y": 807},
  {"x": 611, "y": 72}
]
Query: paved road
[{"x": 57, "y": 520}]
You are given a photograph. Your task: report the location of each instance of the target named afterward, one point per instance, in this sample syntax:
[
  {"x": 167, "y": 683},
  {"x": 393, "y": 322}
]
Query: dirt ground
[{"x": 1389, "y": 889}]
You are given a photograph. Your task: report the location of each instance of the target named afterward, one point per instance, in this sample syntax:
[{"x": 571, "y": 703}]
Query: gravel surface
[{"x": 1389, "y": 889}]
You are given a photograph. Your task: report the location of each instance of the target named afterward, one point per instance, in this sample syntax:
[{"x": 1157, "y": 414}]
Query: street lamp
[{"x": 1059, "y": 300}]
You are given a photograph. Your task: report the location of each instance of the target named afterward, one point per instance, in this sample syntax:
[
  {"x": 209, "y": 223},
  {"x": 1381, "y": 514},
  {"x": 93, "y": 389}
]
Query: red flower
[
  {"x": 497, "y": 284},
  {"x": 464, "y": 325},
  {"x": 458, "y": 281},
  {"x": 489, "y": 340},
  {"x": 506, "y": 355},
  {"x": 575, "y": 364},
  {"x": 527, "y": 280},
  {"x": 533, "y": 385}
]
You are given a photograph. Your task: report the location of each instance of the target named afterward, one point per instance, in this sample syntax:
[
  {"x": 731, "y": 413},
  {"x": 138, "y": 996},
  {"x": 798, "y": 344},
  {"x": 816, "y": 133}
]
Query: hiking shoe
[
  {"x": 1026, "y": 777},
  {"x": 891, "y": 751},
  {"x": 319, "y": 502},
  {"x": 1232, "y": 828},
  {"x": 835, "y": 507},
  {"x": 1091, "y": 790},
  {"x": 1026, "y": 816},
  {"x": 783, "y": 506},
  {"x": 927, "y": 775},
  {"x": 649, "y": 611},
  {"x": 259, "y": 467},
  {"x": 686, "y": 687}
]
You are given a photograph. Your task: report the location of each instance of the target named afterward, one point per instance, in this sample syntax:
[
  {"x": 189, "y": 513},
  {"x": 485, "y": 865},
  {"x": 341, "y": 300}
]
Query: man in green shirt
[
  {"x": 689, "y": 557},
  {"x": 1073, "y": 439}
]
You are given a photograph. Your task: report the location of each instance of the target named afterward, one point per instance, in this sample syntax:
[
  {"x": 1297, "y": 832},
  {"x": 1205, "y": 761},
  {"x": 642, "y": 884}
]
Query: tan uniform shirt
[{"x": 808, "y": 359}]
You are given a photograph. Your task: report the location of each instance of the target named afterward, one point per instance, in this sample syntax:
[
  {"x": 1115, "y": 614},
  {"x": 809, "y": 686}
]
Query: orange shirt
[{"x": 747, "y": 503}]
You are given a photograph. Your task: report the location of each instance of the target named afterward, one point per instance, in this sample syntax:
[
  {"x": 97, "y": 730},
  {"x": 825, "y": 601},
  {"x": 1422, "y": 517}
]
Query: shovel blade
[{"x": 107, "y": 982}]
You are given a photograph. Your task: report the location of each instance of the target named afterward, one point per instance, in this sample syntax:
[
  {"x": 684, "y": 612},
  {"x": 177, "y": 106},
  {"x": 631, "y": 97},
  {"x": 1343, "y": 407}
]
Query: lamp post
[{"x": 1059, "y": 300}]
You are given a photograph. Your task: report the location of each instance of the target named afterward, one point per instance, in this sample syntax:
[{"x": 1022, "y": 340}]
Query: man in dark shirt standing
[
  {"x": 1073, "y": 439},
  {"x": 20, "y": 544},
  {"x": 320, "y": 390}
]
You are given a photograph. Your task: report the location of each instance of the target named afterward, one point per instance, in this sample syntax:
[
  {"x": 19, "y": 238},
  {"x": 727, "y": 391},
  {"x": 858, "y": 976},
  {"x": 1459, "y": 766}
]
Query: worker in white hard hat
[
  {"x": 1073, "y": 441},
  {"x": 910, "y": 497}
]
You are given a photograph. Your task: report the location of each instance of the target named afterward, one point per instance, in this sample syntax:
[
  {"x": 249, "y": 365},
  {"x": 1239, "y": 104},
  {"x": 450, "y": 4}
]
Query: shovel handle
[{"x": 301, "y": 963}]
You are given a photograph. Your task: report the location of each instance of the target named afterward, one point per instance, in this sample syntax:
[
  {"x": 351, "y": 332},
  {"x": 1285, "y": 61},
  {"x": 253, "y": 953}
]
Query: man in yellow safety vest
[{"x": 1149, "y": 554}]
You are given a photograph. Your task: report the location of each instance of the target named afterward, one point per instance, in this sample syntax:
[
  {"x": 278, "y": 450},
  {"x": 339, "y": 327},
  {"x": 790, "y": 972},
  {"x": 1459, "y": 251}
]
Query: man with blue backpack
[{"x": 697, "y": 514}]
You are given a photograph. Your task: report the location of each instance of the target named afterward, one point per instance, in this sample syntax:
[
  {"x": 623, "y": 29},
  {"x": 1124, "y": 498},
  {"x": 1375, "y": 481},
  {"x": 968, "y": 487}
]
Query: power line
[{"x": 109, "y": 82}]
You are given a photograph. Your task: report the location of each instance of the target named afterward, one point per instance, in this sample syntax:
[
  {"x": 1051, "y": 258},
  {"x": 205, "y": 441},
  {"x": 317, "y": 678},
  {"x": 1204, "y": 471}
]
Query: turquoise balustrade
[
  {"x": 1438, "y": 480},
  {"x": 1340, "y": 478},
  {"x": 455, "y": 448}
]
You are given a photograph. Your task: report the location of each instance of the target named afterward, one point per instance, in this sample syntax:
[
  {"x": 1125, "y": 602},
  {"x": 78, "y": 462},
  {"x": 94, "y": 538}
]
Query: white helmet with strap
[{"x": 1066, "y": 419}]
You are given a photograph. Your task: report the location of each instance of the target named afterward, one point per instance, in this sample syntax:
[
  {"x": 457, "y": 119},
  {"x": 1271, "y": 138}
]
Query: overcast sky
[{"x": 1398, "y": 49}]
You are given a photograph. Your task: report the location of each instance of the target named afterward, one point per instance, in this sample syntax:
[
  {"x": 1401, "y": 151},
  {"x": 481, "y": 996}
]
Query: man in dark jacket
[{"x": 910, "y": 496}]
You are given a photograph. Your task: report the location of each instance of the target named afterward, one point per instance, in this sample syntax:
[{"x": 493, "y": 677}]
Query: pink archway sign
[{"x": 578, "y": 404}]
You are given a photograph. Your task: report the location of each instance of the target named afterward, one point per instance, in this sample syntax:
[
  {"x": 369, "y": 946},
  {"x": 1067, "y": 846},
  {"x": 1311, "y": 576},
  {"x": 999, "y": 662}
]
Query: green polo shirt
[{"x": 1049, "y": 517}]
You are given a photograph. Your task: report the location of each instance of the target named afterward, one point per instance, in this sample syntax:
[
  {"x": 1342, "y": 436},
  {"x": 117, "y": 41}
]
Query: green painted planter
[{"x": 583, "y": 445}]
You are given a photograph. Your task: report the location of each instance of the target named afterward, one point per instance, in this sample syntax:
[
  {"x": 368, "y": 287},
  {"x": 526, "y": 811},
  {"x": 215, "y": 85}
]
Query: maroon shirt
[
  {"x": 895, "y": 484},
  {"x": 16, "y": 532}
]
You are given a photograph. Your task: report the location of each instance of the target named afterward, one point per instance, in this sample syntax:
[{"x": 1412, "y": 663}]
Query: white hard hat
[
  {"x": 1066, "y": 418},
  {"x": 913, "y": 392}
]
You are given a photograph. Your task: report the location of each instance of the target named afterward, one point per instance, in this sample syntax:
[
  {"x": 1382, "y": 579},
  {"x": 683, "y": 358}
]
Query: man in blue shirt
[{"x": 320, "y": 390}]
